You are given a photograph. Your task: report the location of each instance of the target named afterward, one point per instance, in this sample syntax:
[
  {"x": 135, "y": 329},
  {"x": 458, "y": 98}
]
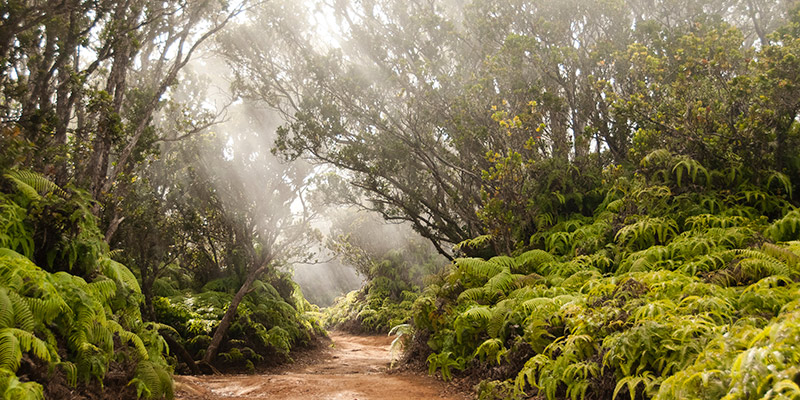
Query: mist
[
  {"x": 305, "y": 89},
  {"x": 280, "y": 196}
]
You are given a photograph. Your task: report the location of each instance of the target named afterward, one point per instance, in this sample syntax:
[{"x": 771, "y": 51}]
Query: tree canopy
[{"x": 454, "y": 115}]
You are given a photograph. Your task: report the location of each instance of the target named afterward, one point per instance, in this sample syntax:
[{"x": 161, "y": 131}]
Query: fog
[
  {"x": 383, "y": 96},
  {"x": 279, "y": 196}
]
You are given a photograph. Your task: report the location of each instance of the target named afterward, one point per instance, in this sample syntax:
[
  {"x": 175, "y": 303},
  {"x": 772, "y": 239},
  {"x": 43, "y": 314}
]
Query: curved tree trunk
[
  {"x": 227, "y": 319},
  {"x": 176, "y": 348}
]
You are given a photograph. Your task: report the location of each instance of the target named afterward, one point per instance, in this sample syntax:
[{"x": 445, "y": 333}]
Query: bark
[
  {"x": 227, "y": 319},
  {"x": 147, "y": 291},
  {"x": 181, "y": 352},
  {"x": 753, "y": 12},
  {"x": 113, "y": 226}
]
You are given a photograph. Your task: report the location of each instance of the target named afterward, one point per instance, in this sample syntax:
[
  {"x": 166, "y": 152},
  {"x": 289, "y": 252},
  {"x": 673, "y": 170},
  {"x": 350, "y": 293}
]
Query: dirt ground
[{"x": 351, "y": 368}]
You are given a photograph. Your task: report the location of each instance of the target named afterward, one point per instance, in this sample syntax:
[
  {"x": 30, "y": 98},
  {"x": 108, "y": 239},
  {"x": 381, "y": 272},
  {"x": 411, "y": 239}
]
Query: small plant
[
  {"x": 403, "y": 334},
  {"x": 445, "y": 362}
]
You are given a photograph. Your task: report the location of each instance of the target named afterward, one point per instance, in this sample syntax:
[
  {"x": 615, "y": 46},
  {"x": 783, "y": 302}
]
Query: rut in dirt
[{"x": 354, "y": 367}]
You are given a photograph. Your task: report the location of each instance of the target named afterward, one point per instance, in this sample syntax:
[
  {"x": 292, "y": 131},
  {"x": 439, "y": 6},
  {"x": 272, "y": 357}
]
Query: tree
[
  {"x": 418, "y": 102},
  {"x": 85, "y": 80},
  {"x": 260, "y": 203}
]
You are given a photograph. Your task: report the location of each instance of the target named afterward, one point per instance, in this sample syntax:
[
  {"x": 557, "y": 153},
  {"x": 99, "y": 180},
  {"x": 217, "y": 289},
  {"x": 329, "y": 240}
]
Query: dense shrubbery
[
  {"x": 69, "y": 312},
  {"x": 683, "y": 284},
  {"x": 268, "y": 324},
  {"x": 393, "y": 263},
  {"x": 384, "y": 302}
]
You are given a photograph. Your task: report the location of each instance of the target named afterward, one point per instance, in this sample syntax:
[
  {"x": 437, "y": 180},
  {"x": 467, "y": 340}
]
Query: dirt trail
[{"x": 354, "y": 367}]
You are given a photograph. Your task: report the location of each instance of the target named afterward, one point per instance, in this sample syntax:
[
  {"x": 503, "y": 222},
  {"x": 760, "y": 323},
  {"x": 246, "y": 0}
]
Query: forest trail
[{"x": 353, "y": 367}]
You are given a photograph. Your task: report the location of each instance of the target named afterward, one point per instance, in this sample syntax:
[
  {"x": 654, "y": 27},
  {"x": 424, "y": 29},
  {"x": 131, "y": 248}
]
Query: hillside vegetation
[
  {"x": 67, "y": 307},
  {"x": 70, "y": 316},
  {"x": 679, "y": 286}
]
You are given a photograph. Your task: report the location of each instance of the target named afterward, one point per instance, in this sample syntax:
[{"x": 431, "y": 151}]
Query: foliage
[
  {"x": 619, "y": 179},
  {"x": 266, "y": 328},
  {"x": 80, "y": 312},
  {"x": 382, "y": 303},
  {"x": 393, "y": 273},
  {"x": 663, "y": 293},
  {"x": 495, "y": 119}
]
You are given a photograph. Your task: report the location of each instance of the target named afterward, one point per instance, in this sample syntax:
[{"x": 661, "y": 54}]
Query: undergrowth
[
  {"x": 268, "y": 324},
  {"x": 682, "y": 284},
  {"x": 68, "y": 311},
  {"x": 383, "y": 302},
  {"x": 70, "y": 314}
]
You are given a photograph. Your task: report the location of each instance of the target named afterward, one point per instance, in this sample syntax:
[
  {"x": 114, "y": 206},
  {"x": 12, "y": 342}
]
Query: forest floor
[{"x": 351, "y": 367}]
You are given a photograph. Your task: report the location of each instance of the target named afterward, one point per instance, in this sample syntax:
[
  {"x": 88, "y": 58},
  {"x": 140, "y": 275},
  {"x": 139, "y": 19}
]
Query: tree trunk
[
  {"x": 176, "y": 348},
  {"x": 227, "y": 319},
  {"x": 147, "y": 291}
]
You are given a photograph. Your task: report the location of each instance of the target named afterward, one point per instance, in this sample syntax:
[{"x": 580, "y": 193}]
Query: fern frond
[
  {"x": 10, "y": 351},
  {"x": 503, "y": 261},
  {"x": 475, "y": 243},
  {"x": 705, "y": 221},
  {"x": 477, "y": 313},
  {"x": 782, "y": 253},
  {"x": 503, "y": 282},
  {"x": 129, "y": 337},
  {"x": 13, "y": 389},
  {"x": 120, "y": 273},
  {"x": 476, "y": 267},
  {"x": 70, "y": 371},
  {"x": 530, "y": 371},
  {"x": 559, "y": 242},
  {"x": 33, "y": 185},
  {"x": 692, "y": 168},
  {"x": 656, "y": 157},
  {"x": 6, "y": 310},
  {"x": 775, "y": 266},
  {"x": 23, "y": 317},
  {"x": 783, "y": 180},
  {"x": 529, "y": 261},
  {"x": 474, "y": 294},
  {"x": 632, "y": 383},
  {"x": 654, "y": 310},
  {"x": 491, "y": 349},
  {"x": 104, "y": 289},
  {"x": 786, "y": 228},
  {"x": 647, "y": 231},
  {"x": 149, "y": 381},
  {"x": 13, "y": 342}
]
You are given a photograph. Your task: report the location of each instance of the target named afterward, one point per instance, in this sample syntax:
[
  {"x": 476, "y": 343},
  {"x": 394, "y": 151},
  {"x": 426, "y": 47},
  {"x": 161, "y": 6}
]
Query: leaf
[{"x": 632, "y": 382}]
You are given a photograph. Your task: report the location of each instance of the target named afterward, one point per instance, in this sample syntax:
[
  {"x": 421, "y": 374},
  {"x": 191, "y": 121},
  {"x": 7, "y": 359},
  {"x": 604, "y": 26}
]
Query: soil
[{"x": 351, "y": 367}]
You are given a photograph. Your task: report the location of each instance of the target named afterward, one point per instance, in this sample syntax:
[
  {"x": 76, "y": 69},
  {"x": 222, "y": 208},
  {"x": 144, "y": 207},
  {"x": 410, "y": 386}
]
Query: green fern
[
  {"x": 12, "y": 388},
  {"x": 152, "y": 381},
  {"x": 692, "y": 168},
  {"x": 633, "y": 382},
  {"x": 473, "y": 244},
  {"x": 14, "y": 233},
  {"x": 491, "y": 349},
  {"x": 33, "y": 185},
  {"x": 786, "y": 228},
  {"x": 783, "y": 180},
  {"x": 476, "y": 270},
  {"x": 647, "y": 231},
  {"x": 656, "y": 158},
  {"x": 529, "y": 261},
  {"x": 445, "y": 362},
  {"x": 120, "y": 274},
  {"x": 13, "y": 342}
]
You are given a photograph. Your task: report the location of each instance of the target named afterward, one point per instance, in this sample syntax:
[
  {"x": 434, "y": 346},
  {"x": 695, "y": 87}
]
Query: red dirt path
[{"x": 353, "y": 368}]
